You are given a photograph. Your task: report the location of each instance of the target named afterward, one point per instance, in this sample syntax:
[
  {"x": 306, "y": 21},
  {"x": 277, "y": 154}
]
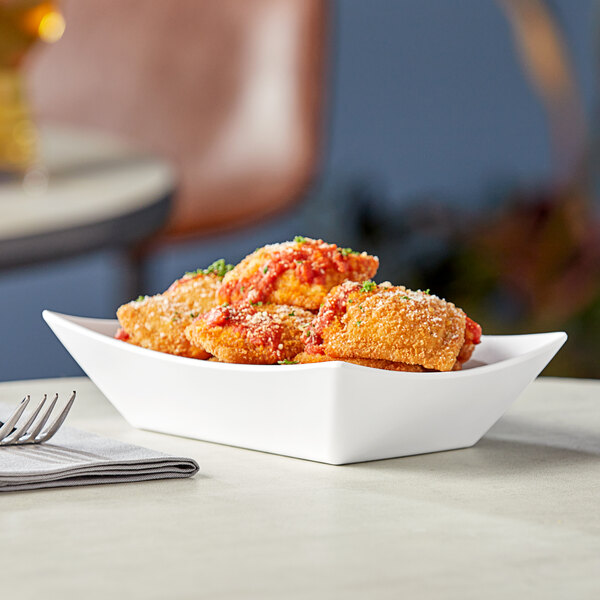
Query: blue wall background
[{"x": 424, "y": 97}]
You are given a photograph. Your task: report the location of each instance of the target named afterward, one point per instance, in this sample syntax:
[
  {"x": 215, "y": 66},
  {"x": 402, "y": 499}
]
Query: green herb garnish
[
  {"x": 287, "y": 362},
  {"x": 140, "y": 298},
  {"x": 426, "y": 291},
  {"x": 300, "y": 239},
  {"x": 218, "y": 268},
  {"x": 193, "y": 315},
  {"x": 358, "y": 323},
  {"x": 292, "y": 314},
  {"x": 193, "y": 273},
  {"x": 346, "y": 251},
  {"x": 368, "y": 286},
  {"x": 266, "y": 268}
]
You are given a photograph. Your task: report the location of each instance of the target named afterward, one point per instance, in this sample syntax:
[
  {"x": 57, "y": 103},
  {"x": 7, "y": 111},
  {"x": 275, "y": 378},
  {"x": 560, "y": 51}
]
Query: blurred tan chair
[{"x": 229, "y": 90}]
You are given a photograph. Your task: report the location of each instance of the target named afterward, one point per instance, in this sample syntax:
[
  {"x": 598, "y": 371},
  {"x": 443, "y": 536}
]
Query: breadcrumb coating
[
  {"x": 306, "y": 358},
  {"x": 250, "y": 334},
  {"x": 389, "y": 323},
  {"x": 159, "y": 322}
]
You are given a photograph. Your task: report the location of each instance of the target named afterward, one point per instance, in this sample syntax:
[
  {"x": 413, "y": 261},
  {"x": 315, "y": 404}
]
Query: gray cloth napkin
[{"x": 75, "y": 457}]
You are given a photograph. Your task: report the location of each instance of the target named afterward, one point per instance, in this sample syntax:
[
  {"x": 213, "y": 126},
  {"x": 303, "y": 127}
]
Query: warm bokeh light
[
  {"x": 22, "y": 23},
  {"x": 41, "y": 20},
  {"x": 51, "y": 27}
]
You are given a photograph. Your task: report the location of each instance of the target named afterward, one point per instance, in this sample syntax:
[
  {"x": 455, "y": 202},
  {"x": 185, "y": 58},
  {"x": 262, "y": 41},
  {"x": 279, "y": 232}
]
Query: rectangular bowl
[{"x": 331, "y": 412}]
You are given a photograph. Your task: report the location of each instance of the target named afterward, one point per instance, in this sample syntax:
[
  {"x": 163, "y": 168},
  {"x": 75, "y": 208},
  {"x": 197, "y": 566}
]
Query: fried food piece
[
  {"x": 159, "y": 322},
  {"x": 306, "y": 358},
  {"x": 248, "y": 334},
  {"x": 298, "y": 273},
  {"x": 391, "y": 323}
]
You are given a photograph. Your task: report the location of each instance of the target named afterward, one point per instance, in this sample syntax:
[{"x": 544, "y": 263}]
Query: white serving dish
[{"x": 331, "y": 412}]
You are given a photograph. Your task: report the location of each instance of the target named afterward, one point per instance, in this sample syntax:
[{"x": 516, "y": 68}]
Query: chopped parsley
[
  {"x": 259, "y": 303},
  {"x": 300, "y": 239},
  {"x": 292, "y": 314},
  {"x": 346, "y": 251},
  {"x": 350, "y": 301},
  {"x": 404, "y": 298},
  {"x": 360, "y": 306},
  {"x": 287, "y": 362},
  {"x": 140, "y": 298},
  {"x": 358, "y": 323},
  {"x": 368, "y": 286},
  {"x": 218, "y": 268},
  {"x": 266, "y": 268},
  {"x": 193, "y": 315},
  {"x": 242, "y": 288},
  {"x": 426, "y": 291},
  {"x": 193, "y": 273}
]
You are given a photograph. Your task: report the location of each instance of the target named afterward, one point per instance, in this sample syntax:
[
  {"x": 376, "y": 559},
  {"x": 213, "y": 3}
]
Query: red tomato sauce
[
  {"x": 472, "y": 332},
  {"x": 310, "y": 261},
  {"x": 335, "y": 306},
  {"x": 122, "y": 335}
]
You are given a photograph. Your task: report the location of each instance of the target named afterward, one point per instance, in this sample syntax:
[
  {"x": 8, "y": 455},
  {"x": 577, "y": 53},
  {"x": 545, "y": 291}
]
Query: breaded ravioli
[
  {"x": 306, "y": 358},
  {"x": 298, "y": 273},
  {"x": 159, "y": 322},
  {"x": 392, "y": 323},
  {"x": 251, "y": 334}
]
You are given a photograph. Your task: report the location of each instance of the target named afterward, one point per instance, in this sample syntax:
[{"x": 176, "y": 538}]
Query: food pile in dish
[{"x": 304, "y": 301}]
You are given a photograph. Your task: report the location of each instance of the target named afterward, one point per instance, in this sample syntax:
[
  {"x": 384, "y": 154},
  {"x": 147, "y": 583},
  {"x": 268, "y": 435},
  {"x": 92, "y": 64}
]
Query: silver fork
[{"x": 31, "y": 430}]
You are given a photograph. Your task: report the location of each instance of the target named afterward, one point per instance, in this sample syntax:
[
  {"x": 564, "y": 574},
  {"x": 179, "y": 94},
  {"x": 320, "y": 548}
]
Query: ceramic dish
[{"x": 330, "y": 412}]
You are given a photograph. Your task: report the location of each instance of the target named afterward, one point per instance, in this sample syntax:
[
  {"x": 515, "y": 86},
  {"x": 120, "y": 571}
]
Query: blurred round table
[{"x": 98, "y": 193}]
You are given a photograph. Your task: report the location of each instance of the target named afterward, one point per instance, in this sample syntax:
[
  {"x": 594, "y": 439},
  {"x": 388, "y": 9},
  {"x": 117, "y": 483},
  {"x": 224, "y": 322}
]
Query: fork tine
[
  {"x": 23, "y": 428},
  {"x": 13, "y": 433},
  {"x": 30, "y": 437},
  {"x": 46, "y": 435},
  {"x": 7, "y": 428}
]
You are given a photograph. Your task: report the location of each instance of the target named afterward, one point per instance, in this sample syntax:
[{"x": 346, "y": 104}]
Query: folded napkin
[{"x": 75, "y": 457}]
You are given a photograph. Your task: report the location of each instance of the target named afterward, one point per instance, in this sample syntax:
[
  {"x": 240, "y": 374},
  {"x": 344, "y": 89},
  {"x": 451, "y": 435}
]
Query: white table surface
[{"x": 518, "y": 515}]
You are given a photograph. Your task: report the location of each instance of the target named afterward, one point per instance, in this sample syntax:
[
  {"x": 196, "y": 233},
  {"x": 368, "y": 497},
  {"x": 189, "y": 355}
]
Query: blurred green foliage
[{"x": 532, "y": 266}]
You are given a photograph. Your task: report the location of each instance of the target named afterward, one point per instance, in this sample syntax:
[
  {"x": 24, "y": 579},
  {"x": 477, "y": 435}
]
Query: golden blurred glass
[{"x": 22, "y": 23}]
